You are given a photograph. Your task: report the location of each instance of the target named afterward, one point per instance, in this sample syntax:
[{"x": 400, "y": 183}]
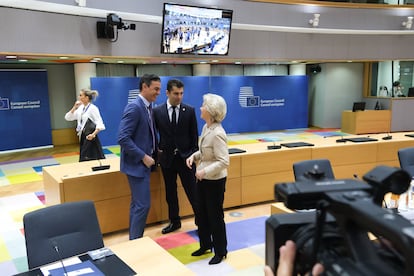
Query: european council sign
[{"x": 24, "y": 109}]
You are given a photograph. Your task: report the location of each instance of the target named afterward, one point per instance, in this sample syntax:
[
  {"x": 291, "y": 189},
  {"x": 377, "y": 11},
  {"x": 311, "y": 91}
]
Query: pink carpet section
[{"x": 179, "y": 239}]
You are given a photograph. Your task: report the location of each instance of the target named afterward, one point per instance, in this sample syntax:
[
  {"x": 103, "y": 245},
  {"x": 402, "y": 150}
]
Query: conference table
[
  {"x": 251, "y": 175},
  {"x": 142, "y": 255}
]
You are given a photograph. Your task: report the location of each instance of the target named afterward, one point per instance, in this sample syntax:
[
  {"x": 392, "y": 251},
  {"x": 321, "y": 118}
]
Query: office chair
[
  {"x": 406, "y": 158},
  {"x": 313, "y": 169},
  {"x": 61, "y": 231}
]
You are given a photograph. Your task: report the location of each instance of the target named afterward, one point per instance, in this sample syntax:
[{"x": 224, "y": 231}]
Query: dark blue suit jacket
[{"x": 135, "y": 138}]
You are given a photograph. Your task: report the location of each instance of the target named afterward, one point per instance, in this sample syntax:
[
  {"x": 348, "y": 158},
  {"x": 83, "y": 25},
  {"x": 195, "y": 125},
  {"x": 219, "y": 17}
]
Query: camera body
[{"x": 336, "y": 233}]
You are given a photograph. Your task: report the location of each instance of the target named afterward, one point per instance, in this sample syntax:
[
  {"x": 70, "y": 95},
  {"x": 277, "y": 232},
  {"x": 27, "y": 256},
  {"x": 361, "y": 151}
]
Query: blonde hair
[
  {"x": 91, "y": 94},
  {"x": 216, "y": 106}
]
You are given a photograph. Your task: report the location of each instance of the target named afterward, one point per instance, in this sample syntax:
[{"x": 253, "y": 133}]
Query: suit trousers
[
  {"x": 188, "y": 180},
  {"x": 140, "y": 205},
  {"x": 211, "y": 225}
]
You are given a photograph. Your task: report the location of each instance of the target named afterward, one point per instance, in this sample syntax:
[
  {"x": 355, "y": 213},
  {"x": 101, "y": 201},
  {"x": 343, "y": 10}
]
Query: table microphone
[
  {"x": 342, "y": 140},
  {"x": 388, "y": 137},
  {"x": 100, "y": 167},
  {"x": 55, "y": 246},
  {"x": 274, "y": 146}
]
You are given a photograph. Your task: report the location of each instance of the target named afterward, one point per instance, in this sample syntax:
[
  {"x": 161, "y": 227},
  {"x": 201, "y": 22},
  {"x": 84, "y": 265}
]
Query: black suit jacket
[{"x": 185, "y": 138}]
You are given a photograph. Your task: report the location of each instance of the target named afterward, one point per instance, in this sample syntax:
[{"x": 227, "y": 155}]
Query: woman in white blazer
[{"x": 213, "y": 160}]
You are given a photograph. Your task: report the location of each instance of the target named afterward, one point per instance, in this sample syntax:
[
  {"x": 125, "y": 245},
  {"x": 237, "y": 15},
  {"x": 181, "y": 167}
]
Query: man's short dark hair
[
  {"x": 148, "y": 79},
  {"x": 174, "y": 82}
]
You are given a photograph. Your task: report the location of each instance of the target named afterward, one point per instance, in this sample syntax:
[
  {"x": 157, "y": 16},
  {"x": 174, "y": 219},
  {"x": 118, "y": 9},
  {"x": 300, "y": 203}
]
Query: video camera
[{"x": 337, "y": 233}]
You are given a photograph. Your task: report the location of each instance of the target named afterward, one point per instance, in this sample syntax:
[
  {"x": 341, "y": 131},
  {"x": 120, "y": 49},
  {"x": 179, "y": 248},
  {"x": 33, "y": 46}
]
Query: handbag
[
  {"x": 89, "y": 127},
  {"x": 90, "y": 149}
]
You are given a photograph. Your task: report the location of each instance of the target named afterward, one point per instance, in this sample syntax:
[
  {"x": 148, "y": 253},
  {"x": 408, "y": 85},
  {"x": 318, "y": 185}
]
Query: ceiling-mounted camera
[{"x": 109, "y": 29}]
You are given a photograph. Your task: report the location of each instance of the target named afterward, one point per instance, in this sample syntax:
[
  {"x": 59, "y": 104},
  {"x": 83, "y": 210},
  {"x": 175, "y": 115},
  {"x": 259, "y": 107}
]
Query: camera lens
[{"x": 331, "y": 247}]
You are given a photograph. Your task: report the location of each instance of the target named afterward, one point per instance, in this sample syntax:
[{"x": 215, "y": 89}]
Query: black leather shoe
[
  {"x": 217, "y": 259},
  {"x": 171, "y": 227},
  {"x": 200, "y": 252}
]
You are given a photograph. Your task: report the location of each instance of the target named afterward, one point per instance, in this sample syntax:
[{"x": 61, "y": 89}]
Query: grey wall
[
  {"x": 332, "y": 91},
  {"x": 44, "y": 32}
]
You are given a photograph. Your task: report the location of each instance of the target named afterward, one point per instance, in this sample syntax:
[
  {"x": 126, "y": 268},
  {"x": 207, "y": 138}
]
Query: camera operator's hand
[{"x": 287, "y": 254}]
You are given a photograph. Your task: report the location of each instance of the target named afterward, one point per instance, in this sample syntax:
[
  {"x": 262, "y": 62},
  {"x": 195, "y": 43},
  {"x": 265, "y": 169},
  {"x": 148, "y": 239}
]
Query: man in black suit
[{"x": 177, "y": 127}]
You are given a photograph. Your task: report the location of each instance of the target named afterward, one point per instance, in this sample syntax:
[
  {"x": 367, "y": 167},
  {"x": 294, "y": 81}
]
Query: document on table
[
  {"x": 83, "y": 268},
  {"x": 67, "y": 262}
]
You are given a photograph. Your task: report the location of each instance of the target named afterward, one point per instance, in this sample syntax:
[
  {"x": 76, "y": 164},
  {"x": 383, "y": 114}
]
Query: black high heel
[
  {"x": 200, "y": 252},
  {"x": 217, "y": 259}
]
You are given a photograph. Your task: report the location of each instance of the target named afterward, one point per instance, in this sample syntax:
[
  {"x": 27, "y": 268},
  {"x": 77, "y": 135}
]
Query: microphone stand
[{"x": 60, "y": 257}]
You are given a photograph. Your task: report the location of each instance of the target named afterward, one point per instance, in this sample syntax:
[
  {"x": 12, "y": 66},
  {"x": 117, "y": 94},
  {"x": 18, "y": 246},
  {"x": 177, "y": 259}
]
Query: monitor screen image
[
  {"x": 195, "y": 30},
  {"x": 358, "y": 106}
]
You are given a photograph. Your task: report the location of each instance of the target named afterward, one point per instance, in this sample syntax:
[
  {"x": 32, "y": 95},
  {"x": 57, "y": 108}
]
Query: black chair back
[
  {"x": 313, "y": 169},
  {"x": 61, "y": 231},
  {"x": 406, "y": 158}
]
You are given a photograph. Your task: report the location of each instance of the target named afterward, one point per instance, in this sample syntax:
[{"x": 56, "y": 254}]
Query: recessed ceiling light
[
  {"x": 120, "y": 61},
  {"x": 63, "y": 57},
  {"x": 93, "y": 60},
  {"x": 203, "y": 62},
  {"x": 214, "y": 60},
  {"x": 237, "y": 62},
  {"x": 164, "y": 61},
  {"x": 96, "y": 58},
  {"x": 23, "y": 60},
  {"x": 11, "y": 57}
]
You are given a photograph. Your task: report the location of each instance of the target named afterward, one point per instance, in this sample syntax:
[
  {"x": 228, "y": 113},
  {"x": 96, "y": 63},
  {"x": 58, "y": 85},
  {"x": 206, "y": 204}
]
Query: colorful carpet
[
  {"x": 286, "y": 135},
  {"x": 12, "y": 244},
  {"x": 30, "y": 170},
  {"x": 246, "y": 249}
]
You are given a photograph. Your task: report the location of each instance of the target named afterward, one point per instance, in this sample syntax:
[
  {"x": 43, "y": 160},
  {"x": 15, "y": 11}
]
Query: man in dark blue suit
[
  {"x": 177, "y": 126},
  {"x": 138, "y": 142}
]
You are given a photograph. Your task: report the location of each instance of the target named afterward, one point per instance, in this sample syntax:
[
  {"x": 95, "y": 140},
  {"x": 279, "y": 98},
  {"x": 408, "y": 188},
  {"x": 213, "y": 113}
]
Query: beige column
[
  {"x": 201, "y": 69},
  {"x": 297, "y": 69},
  {"x": 83, "y": 73}
]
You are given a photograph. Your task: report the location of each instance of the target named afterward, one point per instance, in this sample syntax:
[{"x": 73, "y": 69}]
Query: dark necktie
[
  {"x": 173, "y": 117},
  {"x": 152, "y": 128}
]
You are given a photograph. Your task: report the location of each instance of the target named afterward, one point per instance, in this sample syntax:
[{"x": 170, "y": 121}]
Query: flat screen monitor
[
  {"x": 195, "y": 30},
  {"x": 358, "y": 106}
]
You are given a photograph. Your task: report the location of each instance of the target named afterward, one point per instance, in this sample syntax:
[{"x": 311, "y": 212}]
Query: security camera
[{"x": 109, "y": 29}]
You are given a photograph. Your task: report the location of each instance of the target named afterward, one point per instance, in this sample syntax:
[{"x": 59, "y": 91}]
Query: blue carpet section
[
  {"x": 245, "y": 233},
  {"x": 242, "y": 234},
  {"x": 38, "y": 169}
]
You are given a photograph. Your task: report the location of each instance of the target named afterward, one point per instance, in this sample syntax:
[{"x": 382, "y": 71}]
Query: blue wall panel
[
  {"x": 254, "y": 104},
  {"x": 24, "y": 109}
]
